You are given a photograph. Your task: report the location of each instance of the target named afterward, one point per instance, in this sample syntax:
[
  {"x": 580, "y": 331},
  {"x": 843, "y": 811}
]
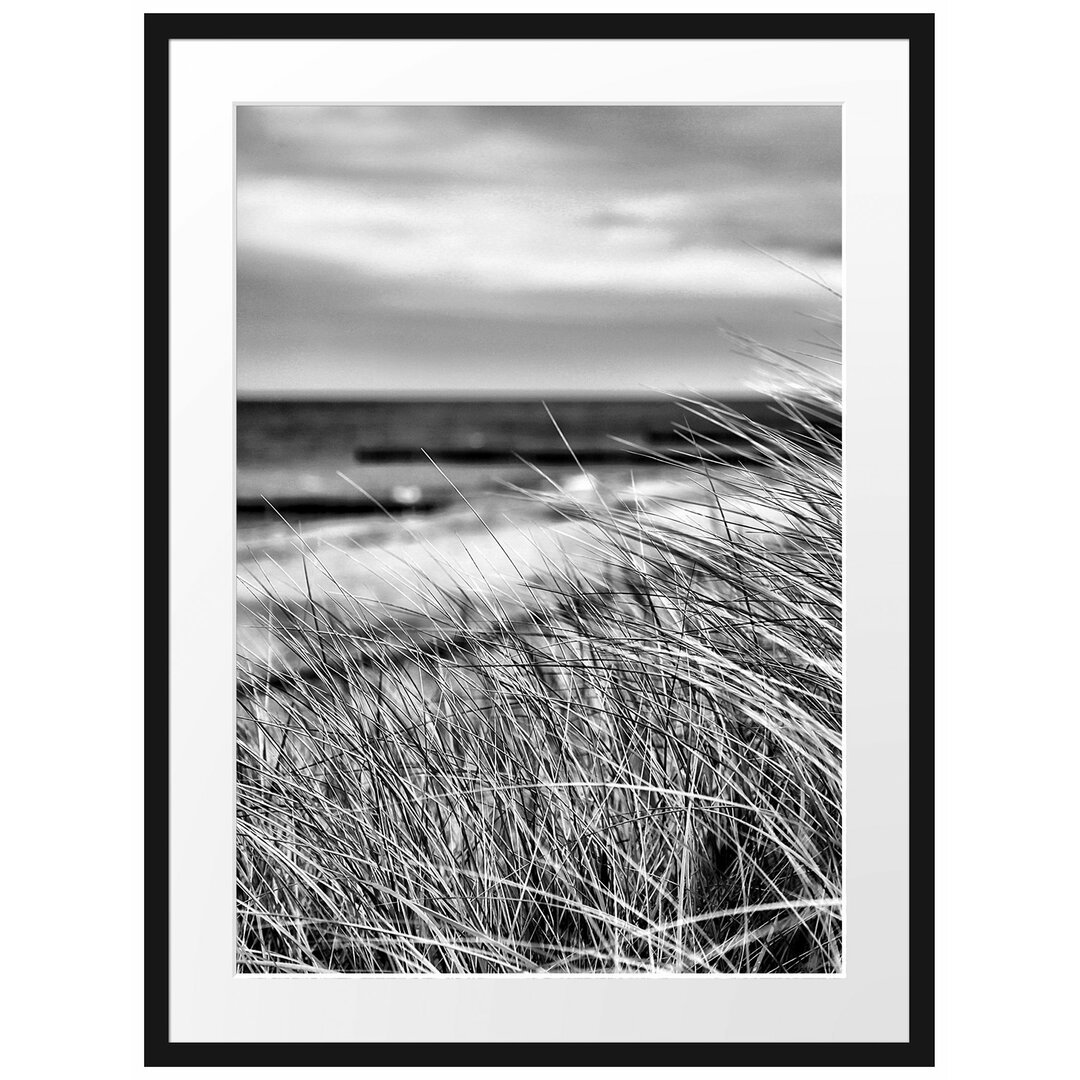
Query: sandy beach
[{"x": 372, "y": 568}]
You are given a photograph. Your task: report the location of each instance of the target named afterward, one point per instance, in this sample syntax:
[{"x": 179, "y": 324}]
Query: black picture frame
[{"x": 918, "y": 31}]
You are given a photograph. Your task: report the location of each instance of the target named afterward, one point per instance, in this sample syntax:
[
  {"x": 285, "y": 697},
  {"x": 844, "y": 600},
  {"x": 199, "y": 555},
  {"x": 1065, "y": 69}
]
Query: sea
[{"x": 303, "y": 458}]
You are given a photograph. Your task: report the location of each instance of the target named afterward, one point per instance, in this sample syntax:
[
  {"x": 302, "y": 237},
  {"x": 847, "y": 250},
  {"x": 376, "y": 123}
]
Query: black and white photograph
[
  {"x": 539, "y": 540},
  {"x": 514, "y": 552}
]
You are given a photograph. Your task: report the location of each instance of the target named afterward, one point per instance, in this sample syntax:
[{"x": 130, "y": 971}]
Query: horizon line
[{"x": 491, "y": 395}]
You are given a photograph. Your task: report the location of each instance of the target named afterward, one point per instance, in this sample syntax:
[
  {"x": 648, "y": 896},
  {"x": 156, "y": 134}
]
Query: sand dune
[{"x": 376, "y": 571}]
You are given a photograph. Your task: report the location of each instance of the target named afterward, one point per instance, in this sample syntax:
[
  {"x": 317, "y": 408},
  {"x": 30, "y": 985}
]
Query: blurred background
[{"x": 428, "y": 278}]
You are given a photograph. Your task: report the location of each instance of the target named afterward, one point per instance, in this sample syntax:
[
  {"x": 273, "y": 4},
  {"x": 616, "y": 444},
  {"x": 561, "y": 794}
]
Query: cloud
[
  {"x": 597, "y": 217},
  {"x": 626, "y": 145},
  {"x": 305, "y": 326},
  {"x": 516, "y": 241}
]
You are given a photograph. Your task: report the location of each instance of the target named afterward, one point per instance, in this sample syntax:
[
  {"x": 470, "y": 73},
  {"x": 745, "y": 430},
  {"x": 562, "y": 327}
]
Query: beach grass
[{"x": 635, "y": 768}]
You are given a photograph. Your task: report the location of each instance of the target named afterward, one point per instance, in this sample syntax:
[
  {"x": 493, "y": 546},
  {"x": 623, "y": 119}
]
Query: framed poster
[{"x": 537, "y": 414}]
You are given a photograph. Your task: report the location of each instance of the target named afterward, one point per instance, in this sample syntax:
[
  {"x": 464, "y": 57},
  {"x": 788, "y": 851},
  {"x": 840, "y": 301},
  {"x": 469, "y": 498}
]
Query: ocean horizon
[{"x": 410, "y": 454}]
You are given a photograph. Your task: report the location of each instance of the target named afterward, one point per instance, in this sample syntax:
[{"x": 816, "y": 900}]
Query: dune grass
[{"x": 636, "y": 770}]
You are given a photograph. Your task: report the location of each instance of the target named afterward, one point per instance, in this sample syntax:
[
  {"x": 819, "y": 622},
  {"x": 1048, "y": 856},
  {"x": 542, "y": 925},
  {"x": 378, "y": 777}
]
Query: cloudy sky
[{"x": 447, "y": 249}]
